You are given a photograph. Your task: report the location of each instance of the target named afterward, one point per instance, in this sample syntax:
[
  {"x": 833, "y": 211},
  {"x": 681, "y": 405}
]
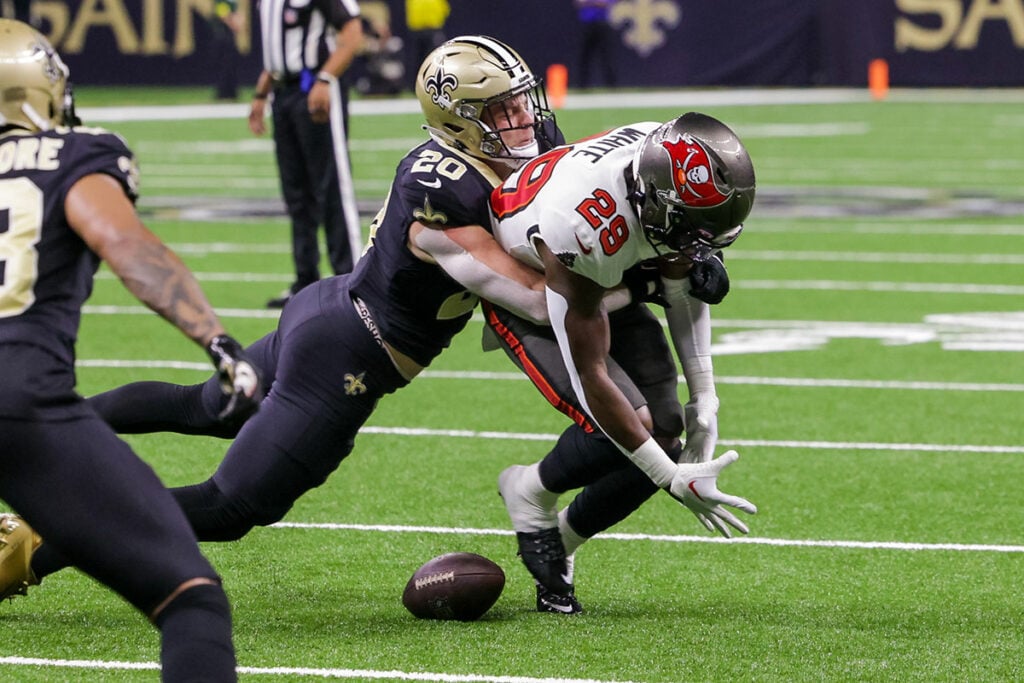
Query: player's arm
[
  {"x": 580, "y": 321},
  {"x": 99, "y": 211},
  {"x": 689, "y": 325},
  {"x": 472, "y": 257},
  {"x": 581, "y": 326}
]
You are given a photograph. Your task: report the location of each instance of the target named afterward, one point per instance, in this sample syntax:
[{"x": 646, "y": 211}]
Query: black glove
[
  {"x": 239, "y": 378},
  {"x": 644, "y": 283},
  {"x": 709, "y": 281}
]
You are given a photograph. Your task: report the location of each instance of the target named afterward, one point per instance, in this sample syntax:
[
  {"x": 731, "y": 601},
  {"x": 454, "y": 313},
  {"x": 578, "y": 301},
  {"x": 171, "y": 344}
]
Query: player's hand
[
  {"x": 709, "y": 280},
  {"x": 644, "y": 284},
  {"x": 239, "y": 378},
  {"x": 695, "y": 485},
  {"x": 700, "y": 417}
]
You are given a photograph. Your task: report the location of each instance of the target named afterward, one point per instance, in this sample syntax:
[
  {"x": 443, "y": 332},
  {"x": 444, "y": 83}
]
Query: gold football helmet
[
  {"x": 34, "y": 89},
  {"x": 460, "y": 81}
]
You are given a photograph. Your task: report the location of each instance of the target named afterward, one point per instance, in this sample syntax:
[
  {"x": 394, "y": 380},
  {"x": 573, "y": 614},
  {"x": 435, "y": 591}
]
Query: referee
[{"x": 308, "y": 46}]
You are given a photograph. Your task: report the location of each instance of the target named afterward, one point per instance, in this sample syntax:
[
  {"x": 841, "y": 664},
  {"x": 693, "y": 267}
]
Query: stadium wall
[{"x": 663, "y": 43}]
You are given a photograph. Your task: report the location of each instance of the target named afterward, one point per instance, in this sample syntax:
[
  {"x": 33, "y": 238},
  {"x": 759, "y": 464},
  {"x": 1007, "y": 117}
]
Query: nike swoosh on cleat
[
  {"x": 564, "y": 609},
  {"x": 693, "y": 488},
  {"x": 434, "y": 184}
]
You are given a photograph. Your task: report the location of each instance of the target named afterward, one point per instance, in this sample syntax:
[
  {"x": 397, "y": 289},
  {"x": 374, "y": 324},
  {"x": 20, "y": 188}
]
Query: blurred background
[{"x": 660, "y": 43}]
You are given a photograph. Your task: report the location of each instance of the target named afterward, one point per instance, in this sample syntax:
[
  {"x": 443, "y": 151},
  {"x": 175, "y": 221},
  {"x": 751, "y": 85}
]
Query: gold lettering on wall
[
  {"x": 153, "y": 42},
  {"x": 96, "y": 19},
  {"x": 1010, "y": 11},
  {"x": 110, "y": 14},
  {"x": 956, "y": 28}
]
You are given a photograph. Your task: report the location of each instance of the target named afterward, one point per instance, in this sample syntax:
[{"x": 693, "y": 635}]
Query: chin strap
[{"x": 33, "y": 116}]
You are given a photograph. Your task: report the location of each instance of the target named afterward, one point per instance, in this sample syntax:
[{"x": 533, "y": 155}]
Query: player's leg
[
  {"x": 146, "y": 407},
  {"x": 331, "y": 372},
  {"x": 581, "y": 455},
  {"x": 116, "y": 522},
  {"x": 640, "y": 346}
]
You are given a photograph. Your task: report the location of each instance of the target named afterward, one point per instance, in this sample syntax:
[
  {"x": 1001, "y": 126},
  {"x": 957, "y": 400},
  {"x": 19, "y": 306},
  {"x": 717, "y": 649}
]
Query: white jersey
[{"x": 575, "y": 199}]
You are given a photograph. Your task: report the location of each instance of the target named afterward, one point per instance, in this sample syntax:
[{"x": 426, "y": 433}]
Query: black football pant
[
  {"x": 326, "y": 373},
  {"x": 641, "y": 364},
  {"x": 101, "y": 508}
]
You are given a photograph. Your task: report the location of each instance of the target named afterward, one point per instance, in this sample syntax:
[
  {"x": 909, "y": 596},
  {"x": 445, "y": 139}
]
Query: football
[{"x": 459, "y": 586}]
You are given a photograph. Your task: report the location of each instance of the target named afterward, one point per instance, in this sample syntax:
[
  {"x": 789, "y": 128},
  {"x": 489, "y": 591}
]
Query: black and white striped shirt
[{"x": 300, "y": 34}]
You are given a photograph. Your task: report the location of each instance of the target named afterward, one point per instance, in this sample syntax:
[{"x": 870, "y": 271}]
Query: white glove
[
  {"x": 700, "y": 417},
  {"x": 695, "y": 486}
]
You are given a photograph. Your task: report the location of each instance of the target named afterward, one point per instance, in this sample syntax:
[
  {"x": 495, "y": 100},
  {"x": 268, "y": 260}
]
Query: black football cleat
[
  {"x": 544, "y": 556},
  {"x": 280, "y": 301},
  {"x": 557, "y": 604}
]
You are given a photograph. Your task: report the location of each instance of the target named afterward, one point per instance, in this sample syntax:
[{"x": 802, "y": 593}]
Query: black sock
[{"x": 146, "y": 407}]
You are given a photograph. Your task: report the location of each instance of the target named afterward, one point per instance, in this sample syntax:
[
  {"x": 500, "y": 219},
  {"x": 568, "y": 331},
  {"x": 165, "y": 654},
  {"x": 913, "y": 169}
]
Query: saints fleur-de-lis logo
[
  {"x": 648, "y": 20},
  {"x": 354, "y": 384},
  {"x": 439, "y": 86},
  {"x": 428, "y": 215}
]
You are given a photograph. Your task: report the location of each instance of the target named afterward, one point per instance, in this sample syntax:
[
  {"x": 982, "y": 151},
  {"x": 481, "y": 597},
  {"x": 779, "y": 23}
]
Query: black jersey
[
  {"x": 46, "y": 269},
  {"x": 416, "y": 305}
]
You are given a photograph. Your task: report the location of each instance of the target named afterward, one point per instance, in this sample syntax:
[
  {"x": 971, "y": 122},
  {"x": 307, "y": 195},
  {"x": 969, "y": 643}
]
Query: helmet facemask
[
  {"x": 495, "y": 116},
  {"x": 667, "y": 224}
]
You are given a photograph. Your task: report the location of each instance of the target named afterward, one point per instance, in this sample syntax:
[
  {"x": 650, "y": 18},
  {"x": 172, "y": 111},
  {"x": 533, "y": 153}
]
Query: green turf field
[{"x": 871, "y": 374}]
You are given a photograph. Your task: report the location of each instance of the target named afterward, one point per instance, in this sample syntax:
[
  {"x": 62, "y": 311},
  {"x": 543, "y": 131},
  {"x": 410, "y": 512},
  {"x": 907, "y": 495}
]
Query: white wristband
[
  {"x": 327, "y": 77},
  {"x": 653, "y": 461}
]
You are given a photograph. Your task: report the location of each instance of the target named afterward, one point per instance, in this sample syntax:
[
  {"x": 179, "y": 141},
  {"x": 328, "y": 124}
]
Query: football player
[
  {"x": 67, "y": 195},
  {"x": 346, "y": 341},
  {"x": 668, "y": 197}
]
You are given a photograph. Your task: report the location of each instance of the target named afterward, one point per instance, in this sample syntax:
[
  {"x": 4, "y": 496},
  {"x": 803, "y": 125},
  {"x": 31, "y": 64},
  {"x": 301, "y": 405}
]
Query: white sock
[
  {"x": 570, "y": 539},
  {"x": 532, "y": 487}
]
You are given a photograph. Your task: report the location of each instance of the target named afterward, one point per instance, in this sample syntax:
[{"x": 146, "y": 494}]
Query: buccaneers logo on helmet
[{"x": 692, "y": 173}]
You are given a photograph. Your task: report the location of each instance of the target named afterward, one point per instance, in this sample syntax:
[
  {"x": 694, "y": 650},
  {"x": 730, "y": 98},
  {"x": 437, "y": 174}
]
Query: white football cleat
[{"x": 529, "y": 505}]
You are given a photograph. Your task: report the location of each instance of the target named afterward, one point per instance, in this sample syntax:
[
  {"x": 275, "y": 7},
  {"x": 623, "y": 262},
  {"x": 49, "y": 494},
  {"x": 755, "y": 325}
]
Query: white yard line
[
  {"x": 663, "y": 538},
  {"x": 763, "y": 443},
  {"x": 519, "y": 377},
  {"x": 340, "y": 673}
]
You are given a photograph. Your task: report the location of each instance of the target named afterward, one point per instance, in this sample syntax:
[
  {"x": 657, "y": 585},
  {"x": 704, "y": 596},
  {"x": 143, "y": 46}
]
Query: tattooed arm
[{"x": 100, "y": 212}]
